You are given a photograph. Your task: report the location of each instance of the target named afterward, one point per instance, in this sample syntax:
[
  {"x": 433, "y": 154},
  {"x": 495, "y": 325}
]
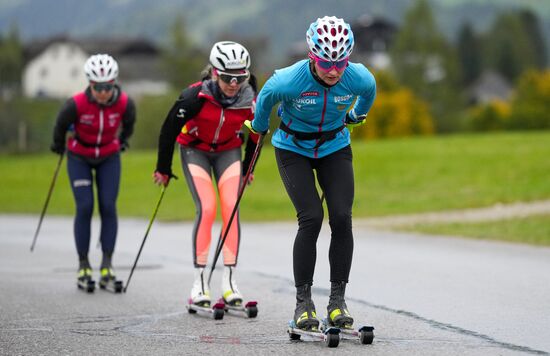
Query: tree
[
  {"x": 182, "y": 60},
  {"x": 509, "y": 49},
  {"x": 531, "y": 24},
  {"x": 11, "y": 62},
  {"x": 469, "y": 54},
  {"x": 425, "y": 62}
]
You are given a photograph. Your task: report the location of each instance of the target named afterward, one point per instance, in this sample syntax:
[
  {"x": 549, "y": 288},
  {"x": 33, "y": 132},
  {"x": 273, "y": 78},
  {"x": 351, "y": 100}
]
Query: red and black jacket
[
  {"x": 97, "y": 132},
  {"x": 197, "y": 119}
]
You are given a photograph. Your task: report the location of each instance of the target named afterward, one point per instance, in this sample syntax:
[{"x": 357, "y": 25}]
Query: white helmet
[
  {"x": 101, "y": 68},
  {"x": 330, "y": 38},
  {"x": 228, "y": 55}
]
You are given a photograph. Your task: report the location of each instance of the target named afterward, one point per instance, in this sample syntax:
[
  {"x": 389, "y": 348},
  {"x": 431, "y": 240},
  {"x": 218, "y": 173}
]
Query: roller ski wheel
[
  {"x": 364, "y": 334},
  {"x": 250, "y": 309},
  {"x": 85, "y": 281},
  {"x": 217, "y": 310},
  {"x": 109, "y": 282},
  {"x": 330, "y": 336}
]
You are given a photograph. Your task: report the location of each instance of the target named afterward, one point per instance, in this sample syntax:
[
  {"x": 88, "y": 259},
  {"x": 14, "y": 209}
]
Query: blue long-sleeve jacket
[{"x": 308, "y": 106}]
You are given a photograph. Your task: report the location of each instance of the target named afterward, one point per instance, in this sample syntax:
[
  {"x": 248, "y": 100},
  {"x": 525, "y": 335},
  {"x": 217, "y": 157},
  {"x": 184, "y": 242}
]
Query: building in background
[{"x": 54, "y": 67}]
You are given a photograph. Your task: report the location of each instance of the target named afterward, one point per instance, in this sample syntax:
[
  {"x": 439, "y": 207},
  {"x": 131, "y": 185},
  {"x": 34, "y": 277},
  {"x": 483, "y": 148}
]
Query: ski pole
[
  {"x": 52, "y": 184},
  {"x": 239, "y": 196},
  {"x": 145, "y": 237}
]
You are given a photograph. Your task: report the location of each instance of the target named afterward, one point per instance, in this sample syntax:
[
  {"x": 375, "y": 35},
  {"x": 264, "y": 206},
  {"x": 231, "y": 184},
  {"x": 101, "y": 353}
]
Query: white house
[
  {"x": 55, "y": 67},
  {"x": 57, "y": 72}
]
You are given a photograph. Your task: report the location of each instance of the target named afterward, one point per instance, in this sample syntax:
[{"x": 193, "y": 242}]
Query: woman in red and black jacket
[
  {"x": 101, "y": 119},
  {"x": 206, "y": 121}
]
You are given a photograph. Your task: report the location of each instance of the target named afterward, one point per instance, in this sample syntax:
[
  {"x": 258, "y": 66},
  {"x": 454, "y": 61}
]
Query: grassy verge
[
  {"x": 392, "y": 177},
  {"x": 533, "y": 230}
]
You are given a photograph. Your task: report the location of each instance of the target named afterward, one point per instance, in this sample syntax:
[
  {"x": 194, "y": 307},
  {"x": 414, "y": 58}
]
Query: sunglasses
[
  {"x": 230, "y": 78},
  {"x": 103, "y": 86},
  {"x": 327, "y": 66}
]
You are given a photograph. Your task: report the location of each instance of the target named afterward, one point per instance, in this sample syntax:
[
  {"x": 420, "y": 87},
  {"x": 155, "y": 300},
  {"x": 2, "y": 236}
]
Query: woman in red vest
[
  {"x": 101, "y": 119},
  {"x": 206, "y": 121}
]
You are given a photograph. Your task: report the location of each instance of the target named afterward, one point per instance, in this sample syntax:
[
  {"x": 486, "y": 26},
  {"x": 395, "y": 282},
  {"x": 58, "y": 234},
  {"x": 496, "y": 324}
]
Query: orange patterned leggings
[{"x": 199, "y": 167}]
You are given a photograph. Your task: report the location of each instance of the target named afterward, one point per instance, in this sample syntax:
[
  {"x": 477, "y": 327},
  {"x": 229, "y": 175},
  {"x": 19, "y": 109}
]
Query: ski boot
[
  {"x": 200, "y": 301},
  {"x": 304, "y": 315},
  {"x": 337, "y": 310},
  {"x": 85, "y": 281},
  {"x": 108, "y": 280},
  {"x": 232, "y": 298}
]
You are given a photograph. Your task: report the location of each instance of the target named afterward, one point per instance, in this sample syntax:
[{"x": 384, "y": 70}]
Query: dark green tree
[
  {"x": 532, "y": 26},
  {"x": 425, "y": 62},
  {"x": 11, "y": 61},
  {"x": 469, "y": 54},
  {"x": 182, "y": 60},
  {"x": 508, "y": 48}
]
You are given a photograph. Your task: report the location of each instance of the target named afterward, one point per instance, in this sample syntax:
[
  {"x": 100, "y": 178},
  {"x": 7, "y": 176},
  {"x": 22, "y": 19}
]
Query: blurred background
[{"x": 460, "y": 120}]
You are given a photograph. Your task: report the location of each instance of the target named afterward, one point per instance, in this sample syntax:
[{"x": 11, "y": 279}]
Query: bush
[
  {"x": 492, "y": 116},
  {"x": 530, "y": 106},
  {"x": 397, "y": 113}
]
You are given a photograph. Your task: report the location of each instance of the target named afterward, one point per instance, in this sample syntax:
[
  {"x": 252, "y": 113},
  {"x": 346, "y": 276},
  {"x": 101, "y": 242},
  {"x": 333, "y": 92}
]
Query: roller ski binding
[
  {"x": 232, "y": 298},
  {"x": 108, "y": 281},
  {"x": 200, "y": 301},
  {"x": 85, "y": 281}
]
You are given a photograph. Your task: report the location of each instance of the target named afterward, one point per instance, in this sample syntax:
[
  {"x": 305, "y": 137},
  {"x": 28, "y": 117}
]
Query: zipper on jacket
[
  {"x": 100, "y": 133},
  {"x": 218, "y": 129},
  {"x": 315, "y": 152}
]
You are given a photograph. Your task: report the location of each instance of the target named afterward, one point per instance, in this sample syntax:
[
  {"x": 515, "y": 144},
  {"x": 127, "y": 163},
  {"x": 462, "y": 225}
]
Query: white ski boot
[
  {"x": 200, "y": 293},
  {"x": 231, "y": 294}
]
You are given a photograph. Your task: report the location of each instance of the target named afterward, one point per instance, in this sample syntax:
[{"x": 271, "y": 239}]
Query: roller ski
[
  {"x": 85, "y": 281},
  {"x": 330, "y": 336},
  {"x": 200, "y": 301},
  {"x": 233, "y": 299},
  {"x": 364, "y": 334},
  {"x": 338, "y": 316},
  {"x": 305, "y": 322},
  {"x": 108, "y": 281}
]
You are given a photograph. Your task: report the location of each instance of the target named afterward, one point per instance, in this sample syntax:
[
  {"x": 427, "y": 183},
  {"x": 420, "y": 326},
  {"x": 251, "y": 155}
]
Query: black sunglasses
[
  {"x": 103, "y": 86},
  {"x": 229, "y": 77}
]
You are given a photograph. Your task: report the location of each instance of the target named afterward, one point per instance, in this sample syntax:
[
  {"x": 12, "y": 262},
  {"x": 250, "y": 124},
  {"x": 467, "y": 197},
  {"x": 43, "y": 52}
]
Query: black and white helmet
[
  {"x": 228, "y": 55},
  {"x": 101, "y": 68}
]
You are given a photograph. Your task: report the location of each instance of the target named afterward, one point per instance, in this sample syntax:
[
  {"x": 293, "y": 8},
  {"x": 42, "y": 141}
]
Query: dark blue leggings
[{"x": 107, "y": 179}]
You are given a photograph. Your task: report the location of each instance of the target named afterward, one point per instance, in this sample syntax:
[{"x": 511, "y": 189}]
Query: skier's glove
[
  {"x": 57, "y": 148},
  {"x": 353, "y": 123},
  {"x": 248, "y": 124},
  {"x": 124, "y": 146},
  {"x": 162, "y": 179}
]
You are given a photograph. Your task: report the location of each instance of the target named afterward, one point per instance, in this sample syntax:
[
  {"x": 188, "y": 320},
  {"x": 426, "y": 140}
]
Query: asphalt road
[{"x": 424, "y": 295}]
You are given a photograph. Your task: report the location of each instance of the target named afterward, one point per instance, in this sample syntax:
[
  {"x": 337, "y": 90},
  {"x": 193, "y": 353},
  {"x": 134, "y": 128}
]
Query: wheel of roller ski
[
  {"x": 366, "y": 337},
  {"x": 332, "y": 340},
  {"x": 294, "y": 336},
  {"x": 252, "y": 312},
  {"x": 218, "y": 314}
]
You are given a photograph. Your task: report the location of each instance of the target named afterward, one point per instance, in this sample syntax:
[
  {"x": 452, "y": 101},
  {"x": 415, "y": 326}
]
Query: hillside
[{"x": 278, "y": 21}]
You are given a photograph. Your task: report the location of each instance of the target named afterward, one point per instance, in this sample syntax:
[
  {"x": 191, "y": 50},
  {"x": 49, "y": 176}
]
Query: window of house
[{"x": 43, "y": 72}]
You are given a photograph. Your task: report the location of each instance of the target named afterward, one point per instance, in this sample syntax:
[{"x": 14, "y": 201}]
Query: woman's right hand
[{"x": 161, "y": 179}]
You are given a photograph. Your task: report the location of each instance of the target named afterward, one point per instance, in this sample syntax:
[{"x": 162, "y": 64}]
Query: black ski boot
[
  {"x": 337, "y": 310},
  {"x": 107, "y": 279},
  {"x": 304, "y": 315}
]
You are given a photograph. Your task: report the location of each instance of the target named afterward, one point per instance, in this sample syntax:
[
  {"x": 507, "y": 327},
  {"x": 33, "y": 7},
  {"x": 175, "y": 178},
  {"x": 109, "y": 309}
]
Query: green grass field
[
  {"x": 534, "y": 230},
  {"x": 392, "y": 177}
]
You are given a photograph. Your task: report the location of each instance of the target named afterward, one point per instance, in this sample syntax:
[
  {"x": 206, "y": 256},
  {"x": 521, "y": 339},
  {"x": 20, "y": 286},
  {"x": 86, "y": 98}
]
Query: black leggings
[{"x": 335, "y": 177}]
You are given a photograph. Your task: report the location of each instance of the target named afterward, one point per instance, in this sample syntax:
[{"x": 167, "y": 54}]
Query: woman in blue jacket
[{"x": 313, "y": 140}]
